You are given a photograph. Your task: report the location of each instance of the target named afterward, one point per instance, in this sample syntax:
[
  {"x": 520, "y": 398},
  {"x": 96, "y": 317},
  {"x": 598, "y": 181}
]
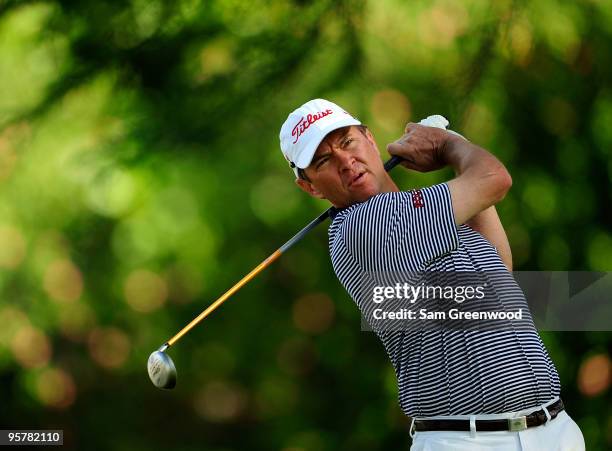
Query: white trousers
[{"x": 560, "y": 434}]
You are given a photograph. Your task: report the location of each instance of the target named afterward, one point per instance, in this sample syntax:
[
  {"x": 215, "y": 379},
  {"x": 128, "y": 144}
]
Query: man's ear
[{"x": 309, "y": 188}]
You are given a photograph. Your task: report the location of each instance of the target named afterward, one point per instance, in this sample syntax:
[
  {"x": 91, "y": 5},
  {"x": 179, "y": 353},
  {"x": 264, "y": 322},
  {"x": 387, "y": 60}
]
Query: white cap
[{"x": 307, "y": 126}]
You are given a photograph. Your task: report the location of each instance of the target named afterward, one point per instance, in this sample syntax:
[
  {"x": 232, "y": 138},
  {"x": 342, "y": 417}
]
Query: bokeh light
[
  {"x": 49, "y": 245},
  {"x": 112, "y": 193},
  {"x": 520, "y": 43},
  {"x": 185, "y": 283},
  {"x": 145, "y": 291},
  {"x": 63, "y": 281},
  {"x": 558, "y": 116},
  {"x": 12, "y": 320},
  {"x": 220, "y": 401},
  {"x": 600, "y": 251},
  {"x": 297, "y": 356},
  {"x": 594, "y": 375},
  {"x": 560, "y": 27},
  {"x": 274, "y": 198},
  {"x": 216, "y": 58},
  {"x": 390, "y": 110},
  {"x": 77, "y": 321},
  {"x": 12, "y": 247},
  {"x": 313, "y": 313},
  {"x": 8, "y": 158},
  {"x": 143, "y": 20},
  {"x": 135, "y": 240},
  {"x": 276, "y": 396},
  {"x": 109, "y": 347},
  {"x": 31, "y": 347},
  {"x": 33, "y": 62},
  {"x": 440, "y": 25},
  {"x": 540, "y": 195},
  {"x": 10, "y": 138},
  {"x": 55, "y": 388},
  {"x": 479, "y": 123}
]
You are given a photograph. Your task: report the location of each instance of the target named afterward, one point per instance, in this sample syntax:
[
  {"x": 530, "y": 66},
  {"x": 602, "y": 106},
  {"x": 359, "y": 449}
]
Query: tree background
[{"x": 140, "y": 177}]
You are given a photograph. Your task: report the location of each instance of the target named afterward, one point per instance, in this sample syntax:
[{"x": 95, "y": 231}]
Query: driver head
[{"x": 162, "y": 371}]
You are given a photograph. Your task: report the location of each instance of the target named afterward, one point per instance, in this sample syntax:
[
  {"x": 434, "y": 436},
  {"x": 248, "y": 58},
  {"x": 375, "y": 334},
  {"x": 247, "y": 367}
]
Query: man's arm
[
  {"x": 488, "y": 224},
  {"x": 481, "y": 181}
]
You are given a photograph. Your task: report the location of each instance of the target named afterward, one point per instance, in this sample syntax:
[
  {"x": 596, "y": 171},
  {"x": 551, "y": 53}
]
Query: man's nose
[{"x": 345, "y": 160}]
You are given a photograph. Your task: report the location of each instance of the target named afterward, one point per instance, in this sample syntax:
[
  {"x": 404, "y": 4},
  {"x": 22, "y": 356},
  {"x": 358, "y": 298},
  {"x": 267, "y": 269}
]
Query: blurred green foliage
[{"x": 140, "y": 178}]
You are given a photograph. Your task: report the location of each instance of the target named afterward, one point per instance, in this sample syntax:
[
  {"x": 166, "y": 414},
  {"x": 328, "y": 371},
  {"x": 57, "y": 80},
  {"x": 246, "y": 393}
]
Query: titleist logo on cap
[{"x": 304, "y": 123}]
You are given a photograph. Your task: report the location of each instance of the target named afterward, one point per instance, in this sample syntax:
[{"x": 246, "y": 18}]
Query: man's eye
[
  {"x": 347, "y": 142},
  {"x": 321, "y": 162}
]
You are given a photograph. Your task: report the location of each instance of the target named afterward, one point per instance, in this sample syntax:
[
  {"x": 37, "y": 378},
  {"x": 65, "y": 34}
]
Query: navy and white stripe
[{"x": 441, "y": 372}]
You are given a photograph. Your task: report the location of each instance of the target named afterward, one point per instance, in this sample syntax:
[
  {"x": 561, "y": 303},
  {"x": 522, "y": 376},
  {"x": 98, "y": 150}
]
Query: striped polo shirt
[{"x": 449, "y": 371}]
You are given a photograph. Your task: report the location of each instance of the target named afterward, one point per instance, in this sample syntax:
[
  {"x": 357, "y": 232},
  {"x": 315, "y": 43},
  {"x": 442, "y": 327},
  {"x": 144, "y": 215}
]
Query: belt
[{"x": 534, "y": 419}]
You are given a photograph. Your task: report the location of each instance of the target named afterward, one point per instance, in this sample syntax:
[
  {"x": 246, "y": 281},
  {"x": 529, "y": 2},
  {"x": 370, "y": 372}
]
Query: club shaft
[
  {"x": 390, "y": 164},
  {"x": 211, "y": 308}
]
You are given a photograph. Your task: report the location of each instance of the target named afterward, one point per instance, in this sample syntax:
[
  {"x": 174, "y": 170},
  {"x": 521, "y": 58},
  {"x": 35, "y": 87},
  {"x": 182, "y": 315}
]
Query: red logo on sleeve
[{"x": 417, "y": 199}]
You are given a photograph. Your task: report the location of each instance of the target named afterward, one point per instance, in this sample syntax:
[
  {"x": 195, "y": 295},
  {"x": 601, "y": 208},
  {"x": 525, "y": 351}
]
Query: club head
[{"x": 162, "y": 371}]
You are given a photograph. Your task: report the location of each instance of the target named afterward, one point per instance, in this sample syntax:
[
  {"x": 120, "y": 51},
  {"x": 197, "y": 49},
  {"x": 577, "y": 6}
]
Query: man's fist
[{"x": 421, "y": 147}]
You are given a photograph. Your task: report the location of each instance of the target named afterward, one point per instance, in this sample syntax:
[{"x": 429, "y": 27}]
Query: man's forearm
[
  {"x": 488, "y": 224},
  {"x": 463, "y": 156},
  {"x": 481, "y": 181}
]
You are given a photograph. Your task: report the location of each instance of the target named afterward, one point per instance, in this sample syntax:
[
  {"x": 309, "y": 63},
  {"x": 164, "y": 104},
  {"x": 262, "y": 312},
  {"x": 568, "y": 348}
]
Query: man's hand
[{"x": 421, "y": 147}]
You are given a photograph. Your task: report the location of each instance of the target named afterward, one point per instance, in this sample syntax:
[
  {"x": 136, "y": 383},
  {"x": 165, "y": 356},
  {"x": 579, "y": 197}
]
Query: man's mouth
[{"x": 356, "y": 179}]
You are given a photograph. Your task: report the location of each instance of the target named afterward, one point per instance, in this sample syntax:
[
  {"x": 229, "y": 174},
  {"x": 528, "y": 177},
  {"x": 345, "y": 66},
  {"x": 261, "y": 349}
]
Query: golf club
[{"x": 160, "y": 366}]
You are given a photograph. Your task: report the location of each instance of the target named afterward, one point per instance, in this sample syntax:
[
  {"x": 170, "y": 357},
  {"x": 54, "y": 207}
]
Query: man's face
[{"x": 346, "y": 168}]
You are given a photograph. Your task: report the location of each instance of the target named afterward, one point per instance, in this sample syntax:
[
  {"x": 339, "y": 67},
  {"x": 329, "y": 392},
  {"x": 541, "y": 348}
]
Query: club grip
[{"x": 392, "y": 162}]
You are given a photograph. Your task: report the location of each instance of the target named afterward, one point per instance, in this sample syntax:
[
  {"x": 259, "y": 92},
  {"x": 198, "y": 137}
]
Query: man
[{"x": 463, "y": 388}]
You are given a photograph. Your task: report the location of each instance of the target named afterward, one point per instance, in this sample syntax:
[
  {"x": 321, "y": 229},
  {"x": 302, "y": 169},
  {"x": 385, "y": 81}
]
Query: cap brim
[{"x": 306, "y": 157}]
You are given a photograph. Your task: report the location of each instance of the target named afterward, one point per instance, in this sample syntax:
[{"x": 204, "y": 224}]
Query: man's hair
[{"x": 302, "y": 173}]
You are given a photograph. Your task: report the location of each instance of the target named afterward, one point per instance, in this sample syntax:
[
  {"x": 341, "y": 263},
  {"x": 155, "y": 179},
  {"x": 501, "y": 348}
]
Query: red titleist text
[
  {"x": 306, "y": 122},
  {"x": 417, "y": 199}
]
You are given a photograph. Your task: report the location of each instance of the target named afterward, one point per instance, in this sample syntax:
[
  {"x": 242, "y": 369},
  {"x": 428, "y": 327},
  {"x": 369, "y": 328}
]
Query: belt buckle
[{"x": 517, "y": 424}]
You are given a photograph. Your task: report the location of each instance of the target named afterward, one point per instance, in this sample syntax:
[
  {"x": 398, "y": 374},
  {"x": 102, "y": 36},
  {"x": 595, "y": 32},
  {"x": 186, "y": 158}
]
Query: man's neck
[{"x": 389, "y": 186}]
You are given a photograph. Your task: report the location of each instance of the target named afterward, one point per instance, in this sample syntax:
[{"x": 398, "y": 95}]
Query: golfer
[{"x": 462, "y": 389}]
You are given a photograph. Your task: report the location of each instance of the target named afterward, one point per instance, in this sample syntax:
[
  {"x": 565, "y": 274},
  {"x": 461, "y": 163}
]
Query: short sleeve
[
  {"x": 401, "y": 230},
  {"x": 431, "y": 223}
]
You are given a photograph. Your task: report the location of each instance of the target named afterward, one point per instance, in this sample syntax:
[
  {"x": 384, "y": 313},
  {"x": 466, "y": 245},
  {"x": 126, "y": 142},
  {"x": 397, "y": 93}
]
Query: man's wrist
[{"x": 447, "y": 152}]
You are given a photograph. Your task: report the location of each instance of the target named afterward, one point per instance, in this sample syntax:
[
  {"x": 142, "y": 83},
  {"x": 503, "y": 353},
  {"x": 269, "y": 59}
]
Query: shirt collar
[{"x": 333, "y": 211}]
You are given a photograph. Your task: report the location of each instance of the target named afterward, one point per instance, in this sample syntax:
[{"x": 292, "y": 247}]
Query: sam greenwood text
[{"x": 424, "y": 314}]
